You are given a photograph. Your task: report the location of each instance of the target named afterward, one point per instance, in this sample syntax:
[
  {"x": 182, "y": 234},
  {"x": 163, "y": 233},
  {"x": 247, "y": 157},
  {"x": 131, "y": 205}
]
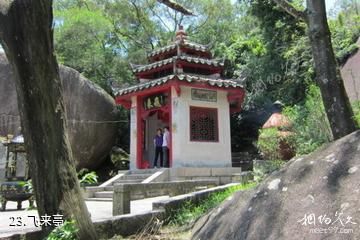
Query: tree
[
  {"x": 100, "y": 38},
  {"x": 27, "y": 38},
  {"x": 333, "y": 93},
  {"x": 176, "y": 6}
]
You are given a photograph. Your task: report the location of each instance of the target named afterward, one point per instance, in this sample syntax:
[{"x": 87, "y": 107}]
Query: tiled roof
[
  {"x": 141, "y": 68},
  {"x": 185, "y": 43},
  {"x": 222, "y": 83}
]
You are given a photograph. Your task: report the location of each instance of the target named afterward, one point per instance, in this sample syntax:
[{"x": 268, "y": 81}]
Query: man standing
[{"x": 165, "y": 145}]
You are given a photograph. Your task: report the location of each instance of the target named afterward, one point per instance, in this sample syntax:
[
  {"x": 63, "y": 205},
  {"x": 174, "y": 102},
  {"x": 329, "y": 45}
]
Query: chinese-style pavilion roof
[
  {"x": 180, "y": 63},
  {"x": 189, "y": 59},
  {"x": 221, "y": 83},
  {"x": 277, "y": 120},
  {"x": 184, "y": 43}
]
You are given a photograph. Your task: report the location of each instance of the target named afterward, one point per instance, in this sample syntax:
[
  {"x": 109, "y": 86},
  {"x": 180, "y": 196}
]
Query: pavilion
[{"x": 182, "y": 88}]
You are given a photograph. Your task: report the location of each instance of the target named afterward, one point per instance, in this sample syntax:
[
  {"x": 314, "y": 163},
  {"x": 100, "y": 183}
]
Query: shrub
[
  {"x": 310, "y": 123},
  {"x": 356, "y": 109},
  {"x": 67, "y": 231},
  {"x": 274, "y": 144},
  {"x": 189, "y": 212},
  {"x": 268, "y": 143},
  {"x": 86, "y": 177},
  {"x": 29, "y": 186},
  {"x": 263, "y": 168}
]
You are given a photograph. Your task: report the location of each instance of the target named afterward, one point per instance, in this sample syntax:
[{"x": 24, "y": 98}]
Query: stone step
[
  {"x": 135, "y": 176},
  {"x": 243, "y": 177},
  {"x": 104, "y": 194},
  {"x": 128, "y": 181},
  {"x": 109, "y": 188},
  {"x": 240, "y": 154},
  {"x": 99, "y": 199},
  {"x": 143, "y": 171}
]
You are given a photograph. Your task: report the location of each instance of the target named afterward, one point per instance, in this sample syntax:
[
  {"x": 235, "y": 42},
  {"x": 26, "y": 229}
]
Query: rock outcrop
[
  {"x": 312, "y": 197},
  {"x": 90, "y": 111},
  {"x": 350, "y": 73}
]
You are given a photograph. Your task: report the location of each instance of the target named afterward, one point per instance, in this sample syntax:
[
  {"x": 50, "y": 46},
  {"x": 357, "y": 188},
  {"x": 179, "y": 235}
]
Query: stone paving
[{"x": 24, "y": 219}]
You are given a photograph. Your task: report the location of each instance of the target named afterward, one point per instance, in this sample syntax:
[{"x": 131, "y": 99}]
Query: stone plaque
[{"x": 203, "y": 95}]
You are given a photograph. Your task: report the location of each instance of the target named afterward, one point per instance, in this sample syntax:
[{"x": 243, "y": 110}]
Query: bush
[
  {"x": 274, "y": 144},
  {"x": 310, "y": 123},
  {"x": 86, "y": 177},
  {"x": 67, "y": 231},
  {"x": 356, "y": 109},
  {"x": 263, "y": 168},
  {"x": 268, "y": 143},
  {"x": 189, "y": 212}
]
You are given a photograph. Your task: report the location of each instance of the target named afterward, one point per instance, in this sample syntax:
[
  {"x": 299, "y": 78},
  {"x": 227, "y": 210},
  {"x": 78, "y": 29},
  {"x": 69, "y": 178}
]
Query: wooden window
[{"x": 204, "y": 124}]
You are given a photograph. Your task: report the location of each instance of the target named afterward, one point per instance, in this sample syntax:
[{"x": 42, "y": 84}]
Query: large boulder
[
  {"x": 350, "y": 73},
  {"x": 90, "y": 111},
  {"x": 312, "y": 197}
]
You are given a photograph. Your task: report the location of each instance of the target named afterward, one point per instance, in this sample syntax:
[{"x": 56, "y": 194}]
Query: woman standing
[{"x": 158, "y": 143}]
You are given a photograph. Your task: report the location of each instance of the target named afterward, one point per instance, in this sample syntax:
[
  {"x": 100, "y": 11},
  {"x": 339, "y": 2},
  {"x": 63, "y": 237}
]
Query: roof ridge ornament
[{"x": 180, "y": 34}]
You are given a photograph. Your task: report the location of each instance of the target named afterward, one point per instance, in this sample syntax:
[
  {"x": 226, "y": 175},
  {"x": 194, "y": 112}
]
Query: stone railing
[{"x": 124, "y": 193}]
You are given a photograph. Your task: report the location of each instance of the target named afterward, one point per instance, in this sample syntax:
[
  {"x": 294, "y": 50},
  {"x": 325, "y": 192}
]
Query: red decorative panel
[{"x": 204, "y": 124}]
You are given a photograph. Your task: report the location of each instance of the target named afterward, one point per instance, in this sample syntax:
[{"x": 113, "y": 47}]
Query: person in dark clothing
[{"x": 158, "y": 142}]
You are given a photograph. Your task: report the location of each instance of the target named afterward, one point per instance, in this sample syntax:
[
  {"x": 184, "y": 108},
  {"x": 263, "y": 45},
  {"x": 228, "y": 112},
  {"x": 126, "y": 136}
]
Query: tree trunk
[
  {"x": 27, "y": 38},
  {"x": 333, "y": 93}
]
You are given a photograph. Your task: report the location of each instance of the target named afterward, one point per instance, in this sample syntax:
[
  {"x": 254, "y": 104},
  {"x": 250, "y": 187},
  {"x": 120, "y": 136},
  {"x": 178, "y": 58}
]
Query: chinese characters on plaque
[
  {"x": 203, "y": 95},
  {"x": 154, "y": 101}
]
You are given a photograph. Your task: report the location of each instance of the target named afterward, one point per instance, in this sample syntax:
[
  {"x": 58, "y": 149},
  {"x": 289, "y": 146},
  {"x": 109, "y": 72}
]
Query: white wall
[
  {"x": 133, "y": 133},
  {"x": 199, "y": 154}
]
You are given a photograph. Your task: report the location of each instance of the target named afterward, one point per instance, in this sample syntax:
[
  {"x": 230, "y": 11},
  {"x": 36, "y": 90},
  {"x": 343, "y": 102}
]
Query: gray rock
[
  {"x": 87, "y": 108},
  {"x": 350, "y": 73},
  {"x": 277, "y": 207}
]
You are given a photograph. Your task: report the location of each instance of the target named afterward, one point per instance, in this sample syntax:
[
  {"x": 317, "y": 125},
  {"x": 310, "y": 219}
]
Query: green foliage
[
  {"x": 67, "y": 231},
  {"x": 86, "y": 177},
  {"x": 310, "y": 123},
  {"x": 264, "y": 167},
  {"x": 268, "y": 143},
  {"x": 190, "y": 211},
  {"x": 29, "y": 186},
  {"x": 270, "y": 63},
  {"x": 83, "y": 41},
  {"x": 101, "y": 38},
  {"x": 345, "y": 30},
  {"x": 356, "y": 109},
  {"x": 261, "y": 44}
]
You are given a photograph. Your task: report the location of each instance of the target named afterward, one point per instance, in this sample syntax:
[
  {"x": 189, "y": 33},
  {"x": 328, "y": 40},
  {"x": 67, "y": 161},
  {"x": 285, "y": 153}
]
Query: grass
[
  {"x": 190, "y": 211},
  {"x": 178, "y": 225}
]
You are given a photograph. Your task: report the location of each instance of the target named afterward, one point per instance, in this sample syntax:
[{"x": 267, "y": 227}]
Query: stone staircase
[
  {"x": 243, "y": 160},
  {"x": 105, "y": 193}
]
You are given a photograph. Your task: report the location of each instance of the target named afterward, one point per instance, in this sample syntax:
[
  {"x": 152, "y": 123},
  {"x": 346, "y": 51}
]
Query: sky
[{"x": 329, "y": 6}]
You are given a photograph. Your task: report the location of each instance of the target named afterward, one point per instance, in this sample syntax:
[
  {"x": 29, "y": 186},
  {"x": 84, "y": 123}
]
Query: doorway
[
  {"x": 154, "y": 111},
  {"x": 154, "y": 121}
]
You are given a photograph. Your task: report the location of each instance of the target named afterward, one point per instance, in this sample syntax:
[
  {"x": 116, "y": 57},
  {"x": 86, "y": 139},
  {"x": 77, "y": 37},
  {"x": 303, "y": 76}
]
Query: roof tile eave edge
[
  {"x": 189, "y": 44},
  {"x": 189, "y": 59},
  {"x": 181, "y": 78}
]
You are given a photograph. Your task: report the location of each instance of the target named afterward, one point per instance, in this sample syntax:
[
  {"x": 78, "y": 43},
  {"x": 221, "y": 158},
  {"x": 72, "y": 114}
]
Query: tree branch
[
  {"x": 290, "y": 9},
  {"x": 177, "y": 7}
]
